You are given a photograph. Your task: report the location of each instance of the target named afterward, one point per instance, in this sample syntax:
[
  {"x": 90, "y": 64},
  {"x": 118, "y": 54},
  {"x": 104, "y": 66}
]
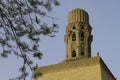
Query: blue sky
[{"x": 104, "y": 18}]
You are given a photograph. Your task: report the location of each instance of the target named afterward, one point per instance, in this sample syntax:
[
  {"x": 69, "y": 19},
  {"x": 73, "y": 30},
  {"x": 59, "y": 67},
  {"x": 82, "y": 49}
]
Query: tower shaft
[{"x": 78, "y": 36}]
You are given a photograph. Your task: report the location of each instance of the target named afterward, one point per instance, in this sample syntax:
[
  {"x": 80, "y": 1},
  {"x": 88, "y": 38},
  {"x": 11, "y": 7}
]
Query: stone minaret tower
[
  {"x": 79, "y": 65},
  {"x": 78, "y": 36}
]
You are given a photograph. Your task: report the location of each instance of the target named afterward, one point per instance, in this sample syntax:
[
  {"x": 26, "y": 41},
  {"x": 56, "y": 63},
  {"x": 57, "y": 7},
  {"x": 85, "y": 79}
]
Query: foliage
[{"x": 20, "y": 29}]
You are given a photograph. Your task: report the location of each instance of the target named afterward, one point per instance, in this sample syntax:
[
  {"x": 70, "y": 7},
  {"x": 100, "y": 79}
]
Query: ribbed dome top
[{"x": 78, "y": 15}]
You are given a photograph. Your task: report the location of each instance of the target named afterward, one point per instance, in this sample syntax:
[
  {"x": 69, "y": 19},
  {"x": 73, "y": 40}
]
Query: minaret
[{"x": 78, "y": 36}]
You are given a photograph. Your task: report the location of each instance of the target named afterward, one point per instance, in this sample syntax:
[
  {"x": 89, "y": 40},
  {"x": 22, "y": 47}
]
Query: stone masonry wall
[{"x": 83, "y": 73}]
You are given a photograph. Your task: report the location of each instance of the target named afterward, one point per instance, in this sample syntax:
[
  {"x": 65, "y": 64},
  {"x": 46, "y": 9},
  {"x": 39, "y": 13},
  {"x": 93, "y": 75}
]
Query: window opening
[
  {"x": 73, "y": 37},
  {"x": 73, "y": 27},
  {"x": 82, "y": 27},
  {"x": 82, "y": 52},
  {"x": 73, "y": 54},
  {"x": 82, "y": 36}
]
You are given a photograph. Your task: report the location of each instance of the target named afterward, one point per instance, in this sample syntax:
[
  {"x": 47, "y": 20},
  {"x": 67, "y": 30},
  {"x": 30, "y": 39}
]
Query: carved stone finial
[
  {"x": 36, "y": 65},
  {"x": 97, "y": 53}
]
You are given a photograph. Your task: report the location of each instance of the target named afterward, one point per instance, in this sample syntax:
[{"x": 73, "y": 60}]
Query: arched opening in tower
[
  {"x": 74, "y": 37},
  {"x": 74, "y": 54}
]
